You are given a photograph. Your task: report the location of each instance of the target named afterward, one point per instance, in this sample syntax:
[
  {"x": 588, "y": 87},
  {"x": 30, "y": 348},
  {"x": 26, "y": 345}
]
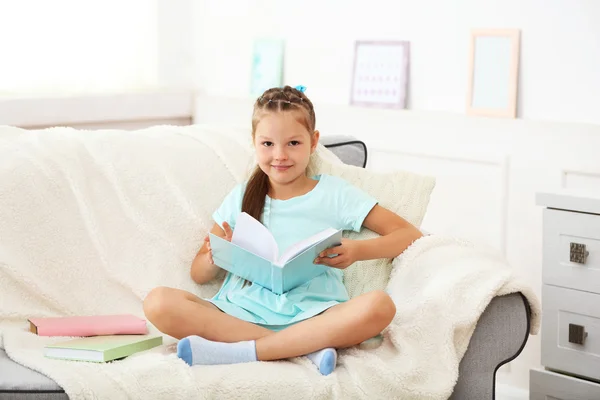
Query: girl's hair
[{"x": 273, "y": 100}]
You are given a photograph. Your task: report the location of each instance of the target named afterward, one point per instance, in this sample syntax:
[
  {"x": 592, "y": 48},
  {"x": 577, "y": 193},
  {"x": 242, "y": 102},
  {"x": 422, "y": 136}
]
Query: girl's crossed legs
[{"x": 180, "y": 314}]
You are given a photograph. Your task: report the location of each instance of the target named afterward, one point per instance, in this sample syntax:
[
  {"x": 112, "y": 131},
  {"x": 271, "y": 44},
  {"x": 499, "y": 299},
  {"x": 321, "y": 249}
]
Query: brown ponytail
[
  {"x": 273, "y": 100},
  {"x": 256, "y": 191}
]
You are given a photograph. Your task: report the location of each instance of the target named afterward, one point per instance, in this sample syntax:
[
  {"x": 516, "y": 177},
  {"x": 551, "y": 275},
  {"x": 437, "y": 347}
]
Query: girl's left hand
[{"x": 347, "y": 254}]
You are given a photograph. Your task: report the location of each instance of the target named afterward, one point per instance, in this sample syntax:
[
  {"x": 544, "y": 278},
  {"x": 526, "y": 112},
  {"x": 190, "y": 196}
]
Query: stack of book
[{"x": 102, "y": 338}]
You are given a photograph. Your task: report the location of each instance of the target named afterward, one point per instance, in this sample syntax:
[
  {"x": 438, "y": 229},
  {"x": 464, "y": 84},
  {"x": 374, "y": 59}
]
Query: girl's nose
[{"x": 281, "y": 154}]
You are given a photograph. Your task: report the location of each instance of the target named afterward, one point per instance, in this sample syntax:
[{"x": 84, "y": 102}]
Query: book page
[
  {"x": 253, "y": 236},
  {"x": 302, "y": 245}
]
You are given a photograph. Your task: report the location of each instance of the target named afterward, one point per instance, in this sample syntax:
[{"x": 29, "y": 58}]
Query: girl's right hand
[{"x": 228, "y": 236}]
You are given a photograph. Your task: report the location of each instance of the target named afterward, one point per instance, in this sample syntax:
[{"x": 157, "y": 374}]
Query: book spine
[
  {"x": 134, "y": 327},
  {"x": 127, "y": 350},
  {"x": 276, "y": 279}
]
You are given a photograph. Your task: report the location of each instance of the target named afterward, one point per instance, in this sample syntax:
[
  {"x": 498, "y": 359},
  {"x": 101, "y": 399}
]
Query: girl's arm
[
  {"x": 203, "y": 269},
  {"x": 396, "y": 235}
]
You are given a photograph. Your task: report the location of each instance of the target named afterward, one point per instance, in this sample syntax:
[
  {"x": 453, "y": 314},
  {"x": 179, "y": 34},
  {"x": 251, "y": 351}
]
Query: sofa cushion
[
  {"x": 405, "y": 193},
  {"x": 133, "y": 190},
  {"x": 16, "y": 378}
]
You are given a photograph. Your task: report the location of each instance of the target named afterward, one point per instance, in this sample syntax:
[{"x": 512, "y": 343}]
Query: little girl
[{"x": 245, "y": 322}]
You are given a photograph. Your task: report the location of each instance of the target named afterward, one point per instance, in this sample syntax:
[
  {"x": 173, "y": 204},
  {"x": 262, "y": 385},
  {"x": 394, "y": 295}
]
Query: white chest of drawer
[
  {"x": 570, "y": 332},
  {"x": 571, "y": 250}
]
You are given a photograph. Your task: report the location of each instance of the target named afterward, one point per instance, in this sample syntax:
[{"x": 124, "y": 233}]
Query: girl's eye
[
  {"x": 294, "y": 143},
  {"x": 267, "y": 144}
]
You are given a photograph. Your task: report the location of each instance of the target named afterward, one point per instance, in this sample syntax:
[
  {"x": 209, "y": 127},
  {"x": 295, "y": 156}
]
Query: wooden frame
[
  {"x": 492, "y": 82},
  {"x": 384, "y": 93}
]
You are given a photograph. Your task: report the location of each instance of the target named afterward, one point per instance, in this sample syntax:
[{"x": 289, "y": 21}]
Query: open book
[{"x": 253, "y": 255}]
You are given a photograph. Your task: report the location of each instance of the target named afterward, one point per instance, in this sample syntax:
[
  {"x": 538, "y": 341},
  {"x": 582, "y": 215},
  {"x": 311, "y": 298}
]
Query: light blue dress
[{"x": 332, "y": 203}]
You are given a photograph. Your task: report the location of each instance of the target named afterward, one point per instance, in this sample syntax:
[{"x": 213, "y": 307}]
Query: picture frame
[
  {"x": 267, "y": 65},
  {"x": 380, "y": 74},
  {"x": 493, "y": 72}
]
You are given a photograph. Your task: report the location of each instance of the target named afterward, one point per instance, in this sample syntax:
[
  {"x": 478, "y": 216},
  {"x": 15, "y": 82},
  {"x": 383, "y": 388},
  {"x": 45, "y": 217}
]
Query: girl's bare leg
[
  {"x": 343, "y": 325},
  {"x": 178, "y": 313}
]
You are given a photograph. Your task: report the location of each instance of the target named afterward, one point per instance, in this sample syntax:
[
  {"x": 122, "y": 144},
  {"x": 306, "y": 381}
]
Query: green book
[{"x": 102, "y": 348}]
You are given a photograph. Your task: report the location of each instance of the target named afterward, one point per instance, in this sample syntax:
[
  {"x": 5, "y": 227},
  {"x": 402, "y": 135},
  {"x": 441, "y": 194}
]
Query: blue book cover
[{"x": 253, "y": 255}]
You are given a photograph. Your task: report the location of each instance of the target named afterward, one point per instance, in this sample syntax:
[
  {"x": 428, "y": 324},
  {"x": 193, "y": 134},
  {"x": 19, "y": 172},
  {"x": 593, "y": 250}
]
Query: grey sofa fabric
[
  {"x": 500, "y": 336},
  {"x": 19, "y": 383},
  {"x": 348, "y": 149},
  {"x": 33, "y": 396}
]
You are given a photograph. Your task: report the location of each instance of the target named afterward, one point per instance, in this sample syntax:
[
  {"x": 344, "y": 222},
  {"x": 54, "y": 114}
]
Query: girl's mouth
[{"x": 281, "y": 167}]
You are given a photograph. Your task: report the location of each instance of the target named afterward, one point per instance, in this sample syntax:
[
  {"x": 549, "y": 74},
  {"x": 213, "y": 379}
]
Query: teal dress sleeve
[
  {"x": 231, "y": 207},
  {"x": 354, "y": 205}
]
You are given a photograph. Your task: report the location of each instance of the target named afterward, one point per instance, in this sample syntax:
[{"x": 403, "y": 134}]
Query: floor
[{"x": 505, "y": 392}]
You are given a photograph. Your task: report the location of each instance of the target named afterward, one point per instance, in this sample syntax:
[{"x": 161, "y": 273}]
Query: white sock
[
  {"x": 195, "y": 350},
  {"x": 324, "y": 359}
]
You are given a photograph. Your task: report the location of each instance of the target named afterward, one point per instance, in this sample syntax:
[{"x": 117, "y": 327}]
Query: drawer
[
  {"x": 566, "y": 313},
  {"x": 566, "y": 268},
  {"x": 546, "y": 385}
]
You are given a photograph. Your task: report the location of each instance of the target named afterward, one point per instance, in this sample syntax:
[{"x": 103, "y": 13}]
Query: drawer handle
[
  {"x": 577, "y": 334},
  {"x": 578, "y": 253}
]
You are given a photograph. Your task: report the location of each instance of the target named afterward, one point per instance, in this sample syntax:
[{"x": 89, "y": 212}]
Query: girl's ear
[{"x": 314, "y": 141}]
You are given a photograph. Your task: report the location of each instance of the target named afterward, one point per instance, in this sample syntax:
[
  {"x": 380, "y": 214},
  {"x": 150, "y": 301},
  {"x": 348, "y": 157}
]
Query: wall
[
  {"x": 169, "y": 101},
  {"x": 488, "y": 170},
  {"x": 124, "y": 111},
  {"x": 560, "y": 48}
]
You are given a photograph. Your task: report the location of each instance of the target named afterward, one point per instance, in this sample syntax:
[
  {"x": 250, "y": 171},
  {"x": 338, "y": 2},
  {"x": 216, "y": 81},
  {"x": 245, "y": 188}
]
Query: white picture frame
[{"x": 380, "y": 74}]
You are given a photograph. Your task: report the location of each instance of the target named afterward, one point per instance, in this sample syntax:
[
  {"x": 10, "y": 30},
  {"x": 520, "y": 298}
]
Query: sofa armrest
[
  {"x": 500, "y": 336},
  {"x": 21, "y": 383},
  {"x": 347, "y": 148}
]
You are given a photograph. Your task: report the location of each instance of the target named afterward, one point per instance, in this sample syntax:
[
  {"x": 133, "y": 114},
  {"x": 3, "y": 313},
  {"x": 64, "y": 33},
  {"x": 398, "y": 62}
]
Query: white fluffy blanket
[{"x": 91, "y": 225}]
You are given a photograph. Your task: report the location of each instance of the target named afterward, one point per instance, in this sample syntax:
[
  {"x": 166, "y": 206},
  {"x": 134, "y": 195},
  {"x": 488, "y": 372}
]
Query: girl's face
[{"x": 283, "y": 146}]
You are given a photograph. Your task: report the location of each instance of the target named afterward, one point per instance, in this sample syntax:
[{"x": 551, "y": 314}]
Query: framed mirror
[{"x": 493, "y": 72}]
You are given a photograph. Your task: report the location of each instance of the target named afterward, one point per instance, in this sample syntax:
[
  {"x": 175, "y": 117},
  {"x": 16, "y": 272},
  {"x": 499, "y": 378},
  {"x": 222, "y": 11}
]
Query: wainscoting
[{"x": 110, "y": 111}]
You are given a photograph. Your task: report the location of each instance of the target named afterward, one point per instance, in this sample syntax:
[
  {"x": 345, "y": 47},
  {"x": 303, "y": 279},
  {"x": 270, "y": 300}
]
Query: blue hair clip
[{"x": 301, "y": 88}]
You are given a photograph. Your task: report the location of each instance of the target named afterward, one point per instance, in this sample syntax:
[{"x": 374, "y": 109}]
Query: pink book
[{"x": 95, "y": 325}]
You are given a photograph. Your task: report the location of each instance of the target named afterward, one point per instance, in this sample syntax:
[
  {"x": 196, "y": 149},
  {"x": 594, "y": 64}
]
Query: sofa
[
  {"x": 502, "y": 330},
  {"x": 500, "y": 335}
]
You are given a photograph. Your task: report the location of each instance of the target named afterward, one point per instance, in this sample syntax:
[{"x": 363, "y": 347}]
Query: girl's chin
[{"x": 282, "y": 178}]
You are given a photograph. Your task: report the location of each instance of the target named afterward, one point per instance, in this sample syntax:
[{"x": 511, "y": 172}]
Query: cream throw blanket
[{"x": 90, "y": 222}]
